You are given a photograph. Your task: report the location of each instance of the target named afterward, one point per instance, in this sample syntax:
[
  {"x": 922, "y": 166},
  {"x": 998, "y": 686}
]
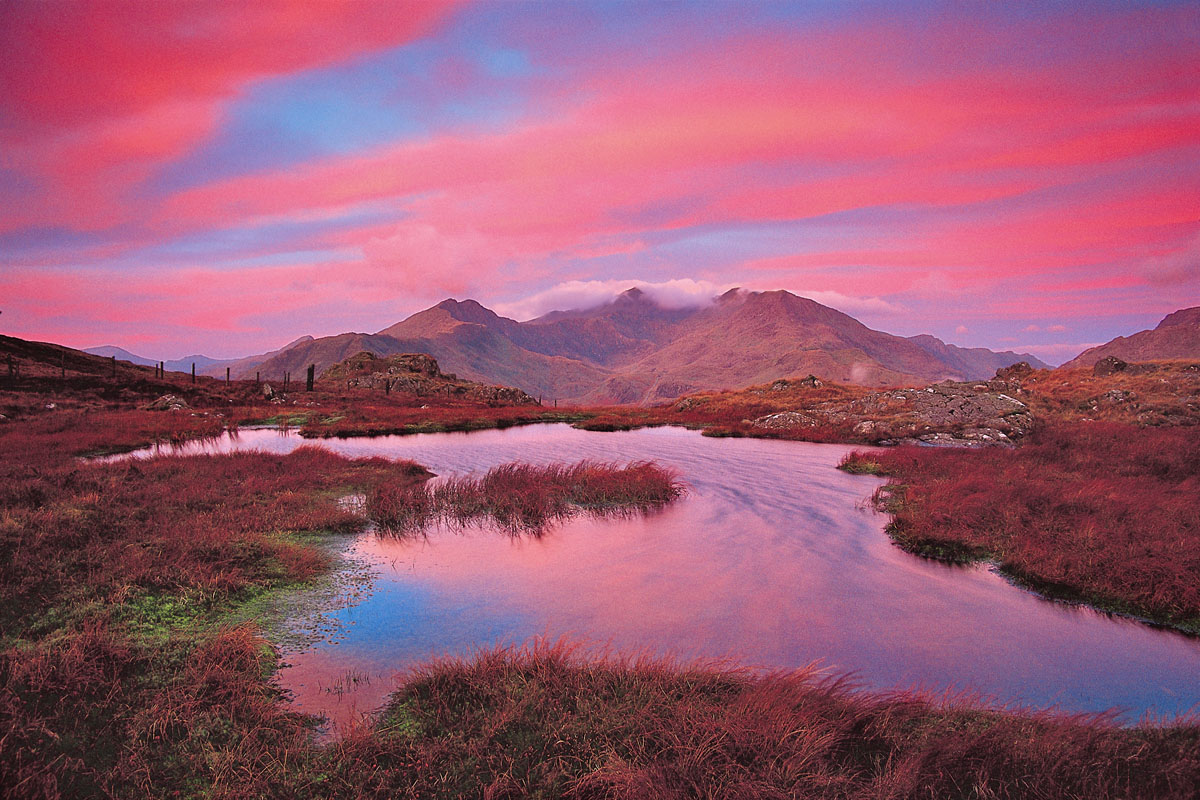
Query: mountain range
[
  {"x": 633, "y": 350},
  {"x": 1176, "y": 337}
]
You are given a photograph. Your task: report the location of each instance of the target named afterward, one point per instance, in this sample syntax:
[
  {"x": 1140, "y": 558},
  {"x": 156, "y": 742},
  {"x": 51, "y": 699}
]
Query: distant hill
[
  {"x": 974, "y": 362},
  {"x": 173, "y": 365},
  {"x": 632, "y": 350},
  {"x": 108, "y": 351},
  {"x": 1176, "y": 337},
  {"x": 241, "y": 367}
]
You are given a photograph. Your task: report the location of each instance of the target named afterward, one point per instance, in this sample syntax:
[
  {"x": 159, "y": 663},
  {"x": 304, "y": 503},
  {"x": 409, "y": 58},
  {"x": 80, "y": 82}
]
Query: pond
[{"x": 773, "y": 559}]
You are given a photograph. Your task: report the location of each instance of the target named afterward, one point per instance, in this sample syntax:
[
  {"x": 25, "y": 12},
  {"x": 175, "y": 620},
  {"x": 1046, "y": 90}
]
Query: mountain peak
[{"x": 468, "y": 311}]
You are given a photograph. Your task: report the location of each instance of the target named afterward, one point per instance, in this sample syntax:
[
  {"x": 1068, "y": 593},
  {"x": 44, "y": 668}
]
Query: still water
[{"x": 773, "y": 559}]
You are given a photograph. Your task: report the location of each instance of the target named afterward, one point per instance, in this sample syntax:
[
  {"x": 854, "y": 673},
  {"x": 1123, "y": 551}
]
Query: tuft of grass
[{"x": 522, "y": 497}]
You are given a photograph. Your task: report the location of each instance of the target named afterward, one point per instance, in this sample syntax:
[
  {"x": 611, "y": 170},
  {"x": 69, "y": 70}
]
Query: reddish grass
[
  {"x": 339, "y": 417},
  {"x": 110, "y": 681},
  {"x": 104, "y": 694},
  {"x": 544, "y": 722},
  {"x": 1100, "y": 512},
  {"x": 522, "y": 497}
]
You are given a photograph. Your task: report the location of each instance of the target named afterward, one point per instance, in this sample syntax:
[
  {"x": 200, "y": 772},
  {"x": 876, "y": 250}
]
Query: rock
[
  {"x": 786, "y": 419},
  {"x": 865, "y": 428},
  {"x": 1109, "y": 365},
  {"x": 1016, "y": 371},
  {"x": 268, "y": 391},
  {"x": 811, "y": 381},
  {"x": 1114, "y": 397},
  {"x": 168, "y": 402}
]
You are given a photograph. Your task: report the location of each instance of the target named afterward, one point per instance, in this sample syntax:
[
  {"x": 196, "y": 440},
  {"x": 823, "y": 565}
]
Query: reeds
[{"x": 523, "y": 497}]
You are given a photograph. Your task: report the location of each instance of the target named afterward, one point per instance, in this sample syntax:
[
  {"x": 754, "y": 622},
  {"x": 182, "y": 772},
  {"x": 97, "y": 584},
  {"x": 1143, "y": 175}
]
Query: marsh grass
[
  {"x": 1104, "y": 513},
  {"x": 523, "y": 498}
]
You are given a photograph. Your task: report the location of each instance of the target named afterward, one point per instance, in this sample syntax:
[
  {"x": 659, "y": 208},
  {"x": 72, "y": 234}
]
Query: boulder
[
  {"x": 786, "y": 419},
  {"x": 168, "y": 402},
  {"x": 1109, "y": 365},
  {"x": 1016, "y": 371}
]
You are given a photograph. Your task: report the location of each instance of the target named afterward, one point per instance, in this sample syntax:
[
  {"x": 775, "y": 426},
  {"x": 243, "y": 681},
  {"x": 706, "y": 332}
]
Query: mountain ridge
[
  {"x": 1177, "y": 336},
  {"x": 633, "y": 350}
]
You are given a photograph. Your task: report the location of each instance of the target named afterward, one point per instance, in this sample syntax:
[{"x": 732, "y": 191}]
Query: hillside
[
  {"x": 633, "y": 350},
  {"x": 1176, "y": 337}
]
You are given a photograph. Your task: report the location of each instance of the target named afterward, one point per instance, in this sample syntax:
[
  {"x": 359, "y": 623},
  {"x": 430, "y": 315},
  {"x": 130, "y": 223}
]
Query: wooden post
[
  {"x": 287, "y": 378},
  {"x": 556, "y": 402},
  {"x": 387, "y": 386},
  {"x": 193, "y": 372},
  {"x": 256, "y": 380},
  {"x": 162, "y": 370},
  {"x": 62, "y": 363},
  {"x": 11, "y": 373},
  {"x": 227, "y": 374},
  {"x": 114, "y": 366},
  {"x": 312, "y": 375}
]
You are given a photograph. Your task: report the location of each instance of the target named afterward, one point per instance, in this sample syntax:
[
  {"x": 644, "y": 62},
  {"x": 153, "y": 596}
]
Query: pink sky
[{"x": 199, "y": 177}]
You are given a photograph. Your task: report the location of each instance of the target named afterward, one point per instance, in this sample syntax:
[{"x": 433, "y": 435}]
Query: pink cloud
[
  {"x": 751, "y": 129},
  {"x": 98, "y": 96}
]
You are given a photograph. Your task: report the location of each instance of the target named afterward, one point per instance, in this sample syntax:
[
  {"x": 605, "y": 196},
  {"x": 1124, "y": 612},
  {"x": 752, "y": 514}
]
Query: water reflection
[{"x": 772, "y": 559}]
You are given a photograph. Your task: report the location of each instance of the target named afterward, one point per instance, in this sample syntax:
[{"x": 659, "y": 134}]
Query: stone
[
  {"x": 168, "y": 402},
  {"x": 786, "y": 419},
  {"x": 1109, "y": 365},
  {"x": 1016, "y": 371}
]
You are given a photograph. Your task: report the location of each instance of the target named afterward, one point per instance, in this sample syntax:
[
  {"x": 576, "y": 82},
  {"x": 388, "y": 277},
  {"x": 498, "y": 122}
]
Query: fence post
[
  {"x": 193, "y": 372},
  {"x": 227, "y": 374},
  {"x": 62, "y": 363},
  {"x": 10, "y": 366},
  {"x": 256, "y": 380},
  {"x": 387, "y": 386},
  {"x": 114, "y": 366},
  {"x": 312, "y": 374}
]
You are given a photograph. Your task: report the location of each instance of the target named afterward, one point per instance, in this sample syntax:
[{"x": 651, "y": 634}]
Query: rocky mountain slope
[
  {"x": 1176, "y": 337},
  {"x": 633, "y": 350}
]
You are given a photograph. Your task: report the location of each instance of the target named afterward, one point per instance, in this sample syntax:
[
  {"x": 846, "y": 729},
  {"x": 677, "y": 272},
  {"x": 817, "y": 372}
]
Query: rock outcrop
[
  {"x": 944, "y": 414},
  {"x": 417, "y": 374},
  {"x": 168, "y": 402}
]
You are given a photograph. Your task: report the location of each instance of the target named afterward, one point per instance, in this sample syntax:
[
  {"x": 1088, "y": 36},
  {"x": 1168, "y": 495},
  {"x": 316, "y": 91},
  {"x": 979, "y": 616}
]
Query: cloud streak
[{"x": 883, "y": 164}]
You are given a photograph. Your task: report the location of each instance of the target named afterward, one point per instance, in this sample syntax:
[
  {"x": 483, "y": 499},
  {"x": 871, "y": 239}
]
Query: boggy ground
[
  {"x": 120, "y": 677},
  {"x": 1100, "y": 512}
]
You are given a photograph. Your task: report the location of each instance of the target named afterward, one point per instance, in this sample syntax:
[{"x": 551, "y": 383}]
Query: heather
[{"x": 1103, "y": 513}]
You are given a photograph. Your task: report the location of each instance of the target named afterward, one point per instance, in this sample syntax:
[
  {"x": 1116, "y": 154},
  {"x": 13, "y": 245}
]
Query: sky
[{"x": 221, "y": 177}]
